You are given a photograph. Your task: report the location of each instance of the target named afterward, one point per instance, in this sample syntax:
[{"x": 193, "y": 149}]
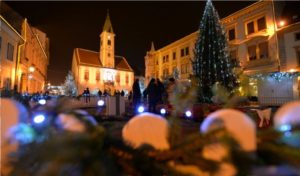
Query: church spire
[
  {"x": 152, "y": 47},
  {"x": 107, "y": 25}
]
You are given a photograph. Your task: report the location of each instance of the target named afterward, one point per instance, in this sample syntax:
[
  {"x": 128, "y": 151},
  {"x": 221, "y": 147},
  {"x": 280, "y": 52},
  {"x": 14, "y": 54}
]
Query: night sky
[{"x": 72, "y": 25}]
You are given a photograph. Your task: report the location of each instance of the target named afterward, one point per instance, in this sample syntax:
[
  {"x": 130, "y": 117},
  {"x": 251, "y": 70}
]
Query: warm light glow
[
  {"x": 31, "y": 69},
  {"x": 292, "y": 70},
  {"x": 30, "y": 76},
  {"x": 109, "y": 75},
  {"x": 108, "y": 37},
  {"x": 281, "y": 23}
]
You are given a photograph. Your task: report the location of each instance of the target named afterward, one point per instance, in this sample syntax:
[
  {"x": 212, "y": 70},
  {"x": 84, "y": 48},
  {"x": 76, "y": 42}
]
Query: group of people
[{"x": 155, "y": 93}]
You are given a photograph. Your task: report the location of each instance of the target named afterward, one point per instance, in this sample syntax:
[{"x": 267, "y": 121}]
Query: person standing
[
  {"x": 88, "y": 96},
  {"x": 136, "y": 91},
  {"x": 99, "y": 93},
  {"x": 151, "y": 92},
  {"x": 160, "y": 91}
]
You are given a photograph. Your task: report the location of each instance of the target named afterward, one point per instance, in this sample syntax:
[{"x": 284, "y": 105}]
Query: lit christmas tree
[
  {"x": 69, "y": 85},
  {"x": 212, "y": 63}
]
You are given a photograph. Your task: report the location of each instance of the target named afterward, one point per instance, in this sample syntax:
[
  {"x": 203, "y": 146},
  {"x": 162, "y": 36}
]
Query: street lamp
[
  {"x": 281, "y": 23},
  {"x": 31, "y": 69}
]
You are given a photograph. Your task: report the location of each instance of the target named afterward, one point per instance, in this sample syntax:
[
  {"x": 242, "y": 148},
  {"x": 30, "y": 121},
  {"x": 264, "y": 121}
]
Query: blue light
[
  {"x": 141, "y": 109},
  {"x": 42, "y": 101},
  {"x": 188, "y": 113},
  {"x": 100, "y": 103},
  {"x": 163, "y": 111},
  {"x": 39, "y": 118},
  {"x": 285, "y": 128}
]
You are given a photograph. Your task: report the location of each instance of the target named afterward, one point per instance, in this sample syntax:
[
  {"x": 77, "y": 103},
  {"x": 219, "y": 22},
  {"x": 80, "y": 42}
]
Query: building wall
[
  {"x": 10, "y": 41},
  {"x": 102, "y": 82},
  {"x": 35, "y": 53},
  {"x": 238, "y": 47},
  {"x": 161, "y": 63},
  {"x": 292, "y": 48}
]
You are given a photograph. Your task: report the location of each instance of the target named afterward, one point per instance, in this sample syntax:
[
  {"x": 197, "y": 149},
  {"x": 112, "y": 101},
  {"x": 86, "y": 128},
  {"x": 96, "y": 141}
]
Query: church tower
[{"x": 107, "y": 44}]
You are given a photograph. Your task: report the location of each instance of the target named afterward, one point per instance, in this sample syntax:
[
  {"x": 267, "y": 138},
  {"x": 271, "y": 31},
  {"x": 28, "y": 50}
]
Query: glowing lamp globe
[
  {"x": 38, "y": 119},
  {"x": 188, "y": 113},
  {"x": 141, "y": 109},
  {"x": 42, "y": 101},
  {"x": 100, "y": 103},
  {"x": 238, "y": 124},
  {"x": 11, "y": 114},
  {"x": 147, "y": 128},
  {"x": 163, "y": 111}
]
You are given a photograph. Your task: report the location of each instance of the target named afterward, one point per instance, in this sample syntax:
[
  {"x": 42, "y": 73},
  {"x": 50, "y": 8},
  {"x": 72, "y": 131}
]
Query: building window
[
  {"x": 86, "y": 75},
  {"x": 118, "y": 78},
  {"x": 261, "y": 24},
  {"x": 97, "y": 75},
  {"x": 156, "y": 62},
  {"x": 231, "y": 34},
  {"x": 184, "y": 68},
  {"x": 182, "y": 52},
  {"x": 165, "y": 72},
  {"x": 167, "y": 58},
  {"x": 109, "y": 42},
  {"x": 164, "y": 59},
  {"x": 252, "y": 52},
  {"x": 297, "y": 36},
  {"x": 10, "y": 52},
  {"x": 127, "y": 79},
  {"x": 263, "y": 50},
  {"x": 250, "y": 28},
  {"x": 108, "y": 54},
  {"x": 187, "y": 51},
  {"x": 174, "y": 55}
]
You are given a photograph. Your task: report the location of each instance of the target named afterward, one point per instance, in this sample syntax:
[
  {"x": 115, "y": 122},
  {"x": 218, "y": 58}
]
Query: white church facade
[{"x": 102, "y": 70}]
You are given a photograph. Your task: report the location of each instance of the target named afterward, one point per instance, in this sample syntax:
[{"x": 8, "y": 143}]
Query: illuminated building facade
[
  {"x": 102, "y": 70},
  {"x": 258, "y": 40},
  {"x": 10, "y": 41}
]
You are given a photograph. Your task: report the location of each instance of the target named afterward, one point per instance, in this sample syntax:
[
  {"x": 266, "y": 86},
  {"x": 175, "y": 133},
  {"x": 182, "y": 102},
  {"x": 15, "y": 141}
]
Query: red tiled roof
[
  {"x": 88, "y": 57},
  {"x": 122, "y": 64}
]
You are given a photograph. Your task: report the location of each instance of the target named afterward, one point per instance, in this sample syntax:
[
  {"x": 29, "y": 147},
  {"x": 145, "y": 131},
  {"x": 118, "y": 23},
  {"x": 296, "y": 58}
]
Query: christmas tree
[
  {"x": 69, "y": 85},
  {"x": 211, "y": 64}
]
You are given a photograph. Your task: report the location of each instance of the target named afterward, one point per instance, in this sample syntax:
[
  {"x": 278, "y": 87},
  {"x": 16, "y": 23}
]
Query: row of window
[
  {"x": 10, "y": 50},
  {"x": 185, "y": 68},
  {"x": 252, "y": 27},
  {"x": 117, "y": 78},
  {"x": 183, "y": 52},
  {"x": 259, "y": 51}
]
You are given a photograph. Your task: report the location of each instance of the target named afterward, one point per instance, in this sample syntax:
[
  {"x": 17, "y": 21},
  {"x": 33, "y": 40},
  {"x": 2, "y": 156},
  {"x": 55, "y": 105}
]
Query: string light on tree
[{"x": 212, "y": 63}]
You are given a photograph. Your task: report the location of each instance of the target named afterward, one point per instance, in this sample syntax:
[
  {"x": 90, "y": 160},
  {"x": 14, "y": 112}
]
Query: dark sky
[{"x": 72, "y": 25}]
